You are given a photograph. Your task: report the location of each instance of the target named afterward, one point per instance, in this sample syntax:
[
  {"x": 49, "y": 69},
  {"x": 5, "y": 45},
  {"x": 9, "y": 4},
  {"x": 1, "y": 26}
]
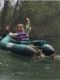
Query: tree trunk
[{"x": 4, "y": 14}]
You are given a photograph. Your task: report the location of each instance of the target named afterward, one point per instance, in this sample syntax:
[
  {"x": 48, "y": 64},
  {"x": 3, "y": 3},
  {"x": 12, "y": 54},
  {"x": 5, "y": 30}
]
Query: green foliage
[
  {"x": 44, "y": 16},
  {"x": 4, "y": 13}
]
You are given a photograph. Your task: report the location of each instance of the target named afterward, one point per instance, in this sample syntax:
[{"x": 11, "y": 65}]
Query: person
[
  {"x": 27, "y": 26},
  {"x": 6, "y": 31},
  {"x": 20, "y": 35}
]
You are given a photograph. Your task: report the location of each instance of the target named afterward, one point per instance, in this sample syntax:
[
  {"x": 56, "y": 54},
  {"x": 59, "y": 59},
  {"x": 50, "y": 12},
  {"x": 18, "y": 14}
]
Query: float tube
[
  {"x": 24, "y": 47},
  {"x": 48, "y": 49}
]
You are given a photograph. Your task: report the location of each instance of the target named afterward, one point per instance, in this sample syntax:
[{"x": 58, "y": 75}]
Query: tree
[
  {"x": 4, "y": 14},
  {"x": 44, "y": 16}
]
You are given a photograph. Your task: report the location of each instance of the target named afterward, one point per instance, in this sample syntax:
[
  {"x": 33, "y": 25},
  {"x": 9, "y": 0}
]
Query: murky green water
[{"x": 17, "y": 67}]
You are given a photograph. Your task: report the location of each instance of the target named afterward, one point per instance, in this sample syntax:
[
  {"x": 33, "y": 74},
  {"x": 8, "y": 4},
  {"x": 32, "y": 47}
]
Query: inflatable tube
[
  {"x": 47, "y": 49},
  {"x": 8, "y": 43},
  {"x": 24, "y": 47},
  {"x": 39, "y": 43}
]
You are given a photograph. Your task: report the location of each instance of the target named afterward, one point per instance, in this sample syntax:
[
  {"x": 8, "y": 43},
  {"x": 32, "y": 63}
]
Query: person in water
[
  {"x": 20, "y": 35},
  {"x": 27, "y": 26}
]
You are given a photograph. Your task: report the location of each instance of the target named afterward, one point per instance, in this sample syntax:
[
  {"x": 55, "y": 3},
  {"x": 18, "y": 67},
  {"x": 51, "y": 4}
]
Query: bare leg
[
  {"x": 52, "y": 56},
  {"x": 34, "y": 57}
]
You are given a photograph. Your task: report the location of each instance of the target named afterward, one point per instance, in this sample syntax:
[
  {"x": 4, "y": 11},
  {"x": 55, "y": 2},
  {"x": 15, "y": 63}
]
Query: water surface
[{"x": 17, "y": 67}]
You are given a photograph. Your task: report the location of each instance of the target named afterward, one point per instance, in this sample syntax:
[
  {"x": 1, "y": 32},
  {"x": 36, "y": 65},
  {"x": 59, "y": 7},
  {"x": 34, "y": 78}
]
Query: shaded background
[
  {"x": 45, "y": 23},
  {"x": 44, "y": 16}
]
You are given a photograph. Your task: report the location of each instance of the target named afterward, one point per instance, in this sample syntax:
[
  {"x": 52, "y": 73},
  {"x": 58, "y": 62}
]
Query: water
[{"x": 17, "y": 67}]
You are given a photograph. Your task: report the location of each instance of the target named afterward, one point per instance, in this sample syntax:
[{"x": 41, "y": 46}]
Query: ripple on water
[
  {"x": 57, "y": 57},
  {"x": 47, "y": 67}
]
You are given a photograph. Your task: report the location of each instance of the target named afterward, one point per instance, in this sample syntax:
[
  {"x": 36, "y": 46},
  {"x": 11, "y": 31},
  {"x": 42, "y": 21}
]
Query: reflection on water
[
  {"x": 57, "y": 57},
  {"x": 17, "y": 67}
]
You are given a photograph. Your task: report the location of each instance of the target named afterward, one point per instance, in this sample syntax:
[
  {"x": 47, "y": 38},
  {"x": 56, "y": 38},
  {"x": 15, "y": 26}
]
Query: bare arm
[{"x": 12, "y": 34}]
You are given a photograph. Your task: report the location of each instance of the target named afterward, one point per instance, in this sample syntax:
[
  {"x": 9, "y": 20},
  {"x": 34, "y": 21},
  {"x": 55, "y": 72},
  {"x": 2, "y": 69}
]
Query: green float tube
[{"x": 26, "y": 47}]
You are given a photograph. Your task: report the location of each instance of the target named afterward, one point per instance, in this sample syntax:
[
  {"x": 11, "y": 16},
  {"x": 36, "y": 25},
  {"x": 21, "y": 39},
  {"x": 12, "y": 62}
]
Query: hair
[{"x": 20, "y": 26}]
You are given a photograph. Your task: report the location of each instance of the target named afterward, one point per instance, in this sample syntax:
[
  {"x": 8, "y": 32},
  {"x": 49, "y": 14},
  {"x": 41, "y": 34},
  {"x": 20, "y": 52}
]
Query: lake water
[{"x": 17, "y": 67}]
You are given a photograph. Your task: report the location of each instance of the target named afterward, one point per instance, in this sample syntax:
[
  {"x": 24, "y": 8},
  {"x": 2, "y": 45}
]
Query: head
[
  {"x": 27, "y": 20},
  {"x": 7, "y": 28},
  {"x": 20, "y": 27}
]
